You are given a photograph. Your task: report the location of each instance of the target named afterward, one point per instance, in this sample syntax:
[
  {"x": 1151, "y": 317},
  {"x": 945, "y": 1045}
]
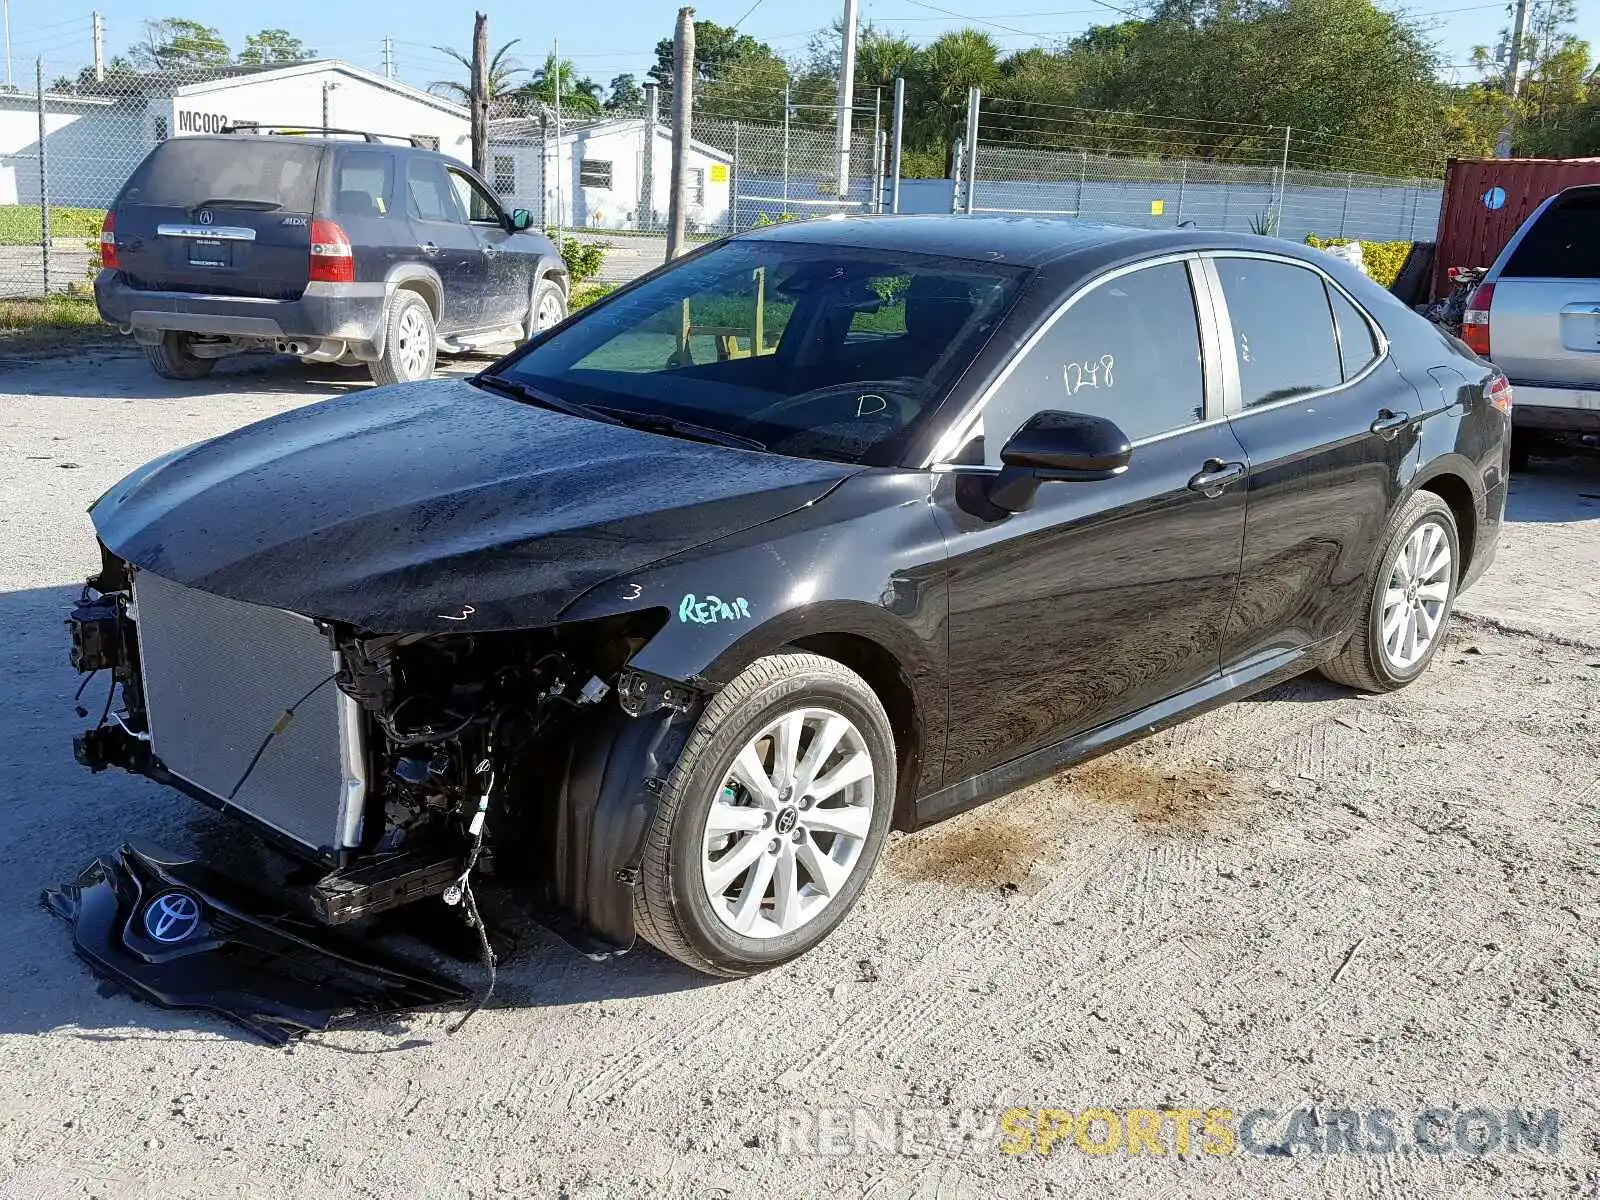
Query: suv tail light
[
  {"x": 1498, "y": 392},
  {"x": 331, "y": 258},
  {"x": 1475, "y": 320},
  {"x": 108, "y": 241}
]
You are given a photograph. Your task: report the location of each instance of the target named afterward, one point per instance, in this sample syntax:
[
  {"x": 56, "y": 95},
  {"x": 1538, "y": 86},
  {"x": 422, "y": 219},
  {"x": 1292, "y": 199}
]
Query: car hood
[{"x": 437, "y": 506}]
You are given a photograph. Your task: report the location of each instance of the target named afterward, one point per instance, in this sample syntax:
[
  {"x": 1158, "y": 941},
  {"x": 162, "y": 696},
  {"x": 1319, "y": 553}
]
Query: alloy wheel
[
  {"x": 1415, "y": 597},
  {"x": 415, "y": 342},
  {"x": 550, "y": 312},
  {"x": 788, "y": 825}
]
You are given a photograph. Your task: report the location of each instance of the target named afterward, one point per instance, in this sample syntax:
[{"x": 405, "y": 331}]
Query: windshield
[{"x": 814, "y": 351}]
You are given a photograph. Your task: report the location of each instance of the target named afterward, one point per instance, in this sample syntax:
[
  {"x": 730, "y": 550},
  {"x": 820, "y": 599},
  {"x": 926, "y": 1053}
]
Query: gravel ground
[{"x": 1308, "y": 900}]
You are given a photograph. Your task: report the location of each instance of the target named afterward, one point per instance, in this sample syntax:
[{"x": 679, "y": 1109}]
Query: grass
[
  {"x": 20, "y": 226},
  {"x": 50, "y": 312}
]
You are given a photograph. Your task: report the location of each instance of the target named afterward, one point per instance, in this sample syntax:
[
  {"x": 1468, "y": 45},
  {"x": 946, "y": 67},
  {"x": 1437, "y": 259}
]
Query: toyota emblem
[
  {"x": 205, "y": 216},
  {"x": 172, "y": 917}
]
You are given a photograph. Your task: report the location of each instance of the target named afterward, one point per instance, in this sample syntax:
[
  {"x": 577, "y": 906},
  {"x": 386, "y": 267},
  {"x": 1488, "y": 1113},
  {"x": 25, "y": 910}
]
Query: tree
[
  {"x": 941, "y": 77},
  {"x": 503, "y": 72},
  {"x": 274, "y": 46},
  {"x": 175, "y": 44},
  {"x": 580, "y": 95},
  {"x": 626, "y": 95}
]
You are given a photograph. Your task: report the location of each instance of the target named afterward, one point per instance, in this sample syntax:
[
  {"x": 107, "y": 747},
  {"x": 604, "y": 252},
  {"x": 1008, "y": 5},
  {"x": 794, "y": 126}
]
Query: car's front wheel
[
  {"x": 1410, "y": 596},
  {"x": 410, "y": 347},
  {"x": 172, "y": 358},
  {"x": 771, "y": 822}
]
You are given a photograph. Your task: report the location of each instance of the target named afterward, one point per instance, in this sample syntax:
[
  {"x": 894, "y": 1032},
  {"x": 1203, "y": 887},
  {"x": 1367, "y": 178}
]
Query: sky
[{"x": 618, "y": 36}]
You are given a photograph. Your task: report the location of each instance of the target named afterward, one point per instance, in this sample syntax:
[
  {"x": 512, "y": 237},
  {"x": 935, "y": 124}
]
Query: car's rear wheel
[
  {"x": 411, "y": 346},
  {"x": 1410, "y": 596},
  {"x": 172, "y": 357},
  {"x": 771, "y": 822},
  {"x": 548, "y": 307}
]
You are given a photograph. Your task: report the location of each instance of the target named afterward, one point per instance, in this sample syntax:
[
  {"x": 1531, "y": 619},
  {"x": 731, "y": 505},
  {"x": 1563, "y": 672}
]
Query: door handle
[
  {"x": 1388, "y": 424},
  {"x": 490, "y": 249},
  {"x": 428, "y": 248},
  {"x": 1216, "y": 475}
]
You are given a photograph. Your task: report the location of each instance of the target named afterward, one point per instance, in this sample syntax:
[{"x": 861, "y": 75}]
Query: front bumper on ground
[
  {"x": 178, "y": 934},
  {"x": 347, "y": 312}
]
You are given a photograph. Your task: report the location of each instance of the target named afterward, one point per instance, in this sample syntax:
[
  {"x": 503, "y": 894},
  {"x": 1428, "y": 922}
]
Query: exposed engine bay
[{"x": 527, "y": 757}]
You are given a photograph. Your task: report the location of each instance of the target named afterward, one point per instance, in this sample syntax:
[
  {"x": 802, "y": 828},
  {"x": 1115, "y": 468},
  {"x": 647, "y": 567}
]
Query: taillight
[
  {"x": 331, "y": 259},
  {"x": 1475, "y": 320},
  {"x": 1498, "y": 392},
  {"x": 108, "y": 242}
]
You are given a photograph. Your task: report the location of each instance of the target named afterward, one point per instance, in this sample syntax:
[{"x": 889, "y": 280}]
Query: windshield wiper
[
  {"x": 649, "y": 422},
  {"x": 523, "y": 391},
  {"x": 654, "y": 423}
]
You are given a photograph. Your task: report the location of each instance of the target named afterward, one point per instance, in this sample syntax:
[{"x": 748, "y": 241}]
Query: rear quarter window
[
  {"x": 271, "y": 174},
  {"x": 1564, "y": 243},
  {"x": 363, "y": 184}
]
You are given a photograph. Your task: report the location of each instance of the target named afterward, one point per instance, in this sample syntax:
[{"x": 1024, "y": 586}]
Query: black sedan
[{"x": 670, "y": 616}]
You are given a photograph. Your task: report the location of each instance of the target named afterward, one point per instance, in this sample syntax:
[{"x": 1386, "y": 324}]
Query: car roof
[{"x": 1023, "y": 240}]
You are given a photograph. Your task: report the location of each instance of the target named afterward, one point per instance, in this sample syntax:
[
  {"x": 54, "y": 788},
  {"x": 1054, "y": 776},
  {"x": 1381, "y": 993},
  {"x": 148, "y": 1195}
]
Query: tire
[
  {"x": 1373, "y": 663},
  {"x": 410, "y": 345},
  {"x": 678, "y": 909},
  {"x": 547, "y": 307},
  {"x": 171, "y": 358}
]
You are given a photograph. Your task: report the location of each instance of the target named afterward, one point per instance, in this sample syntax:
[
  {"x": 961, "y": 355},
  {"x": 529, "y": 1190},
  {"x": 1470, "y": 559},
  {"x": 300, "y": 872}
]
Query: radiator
[{"x": 218, "y": 674}]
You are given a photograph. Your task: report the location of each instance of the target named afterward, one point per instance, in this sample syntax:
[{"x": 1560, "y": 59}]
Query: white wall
[
  {"x": 616, "y": 207},
  {"x": 89, "y": 149},
  {"x": 353, "y": 103}
]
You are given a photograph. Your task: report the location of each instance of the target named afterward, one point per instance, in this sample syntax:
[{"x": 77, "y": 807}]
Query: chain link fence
[{"x": 1126, "y": 170}]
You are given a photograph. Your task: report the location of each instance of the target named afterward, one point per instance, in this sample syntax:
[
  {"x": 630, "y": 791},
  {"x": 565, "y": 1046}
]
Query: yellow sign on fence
[{"x": 719, "y": 172}]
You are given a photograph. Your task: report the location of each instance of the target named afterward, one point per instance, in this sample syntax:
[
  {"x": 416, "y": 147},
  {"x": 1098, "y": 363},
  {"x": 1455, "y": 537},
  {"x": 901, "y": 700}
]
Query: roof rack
[{"x": 416, "y": 143}]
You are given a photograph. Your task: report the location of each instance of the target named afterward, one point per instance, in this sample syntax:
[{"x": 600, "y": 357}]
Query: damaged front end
[{"x": 404, "y": 765}]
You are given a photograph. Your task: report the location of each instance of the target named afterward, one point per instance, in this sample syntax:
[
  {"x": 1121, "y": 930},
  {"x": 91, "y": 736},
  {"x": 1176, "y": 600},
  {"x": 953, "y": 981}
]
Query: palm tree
[
  {"x": 503, "y": 71},
  {"x": 580, "y": 95}
]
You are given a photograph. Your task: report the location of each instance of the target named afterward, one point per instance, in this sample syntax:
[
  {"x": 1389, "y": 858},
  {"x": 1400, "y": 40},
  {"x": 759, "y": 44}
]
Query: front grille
[{"x": 218, "y": 675}]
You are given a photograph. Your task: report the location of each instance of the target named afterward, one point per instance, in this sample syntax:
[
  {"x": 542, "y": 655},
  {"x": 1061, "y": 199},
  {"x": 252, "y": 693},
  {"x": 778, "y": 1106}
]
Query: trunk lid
[{"x": 226, "y": 216}]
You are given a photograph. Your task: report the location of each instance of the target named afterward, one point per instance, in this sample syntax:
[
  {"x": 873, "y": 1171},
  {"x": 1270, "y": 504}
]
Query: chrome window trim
[
  {"x": 961, "y": 430},
  {"x": 1237, "y": 399},
  {"x": 219, "y": 233}
]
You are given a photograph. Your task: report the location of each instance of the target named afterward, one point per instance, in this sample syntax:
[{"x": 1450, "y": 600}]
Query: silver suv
[{"x": 1537, "y": 316}]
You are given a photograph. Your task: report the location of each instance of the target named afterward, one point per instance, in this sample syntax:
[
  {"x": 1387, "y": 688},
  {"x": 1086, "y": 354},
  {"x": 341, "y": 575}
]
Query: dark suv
[{"x": 332, "y": 249}]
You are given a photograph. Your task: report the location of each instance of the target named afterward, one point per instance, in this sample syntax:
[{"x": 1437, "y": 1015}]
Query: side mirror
[
  {"x": 521, "y": 219},
  {"x": 1058, "y": 446}
]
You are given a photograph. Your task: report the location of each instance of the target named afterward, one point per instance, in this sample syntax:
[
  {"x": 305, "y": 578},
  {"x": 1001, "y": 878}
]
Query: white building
[
  {"x": 94, "y": 139},
  {"x": 594, "y": 177}
]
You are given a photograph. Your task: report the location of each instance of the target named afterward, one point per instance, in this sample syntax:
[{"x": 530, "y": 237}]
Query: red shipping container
[{"x": 1487, "y": 199}]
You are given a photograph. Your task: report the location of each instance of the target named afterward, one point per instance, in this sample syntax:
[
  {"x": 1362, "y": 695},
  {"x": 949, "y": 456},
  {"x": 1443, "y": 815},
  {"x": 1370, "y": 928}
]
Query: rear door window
[
  {"x": 363, "y": 184},
  {"x": 429, "y": 196},
  {"x": 1563, "y": 244},
  {"x": 1282, "y": 329},
  {"x": 1357, "y": 344},
  {"x": 264, "y": 173}
]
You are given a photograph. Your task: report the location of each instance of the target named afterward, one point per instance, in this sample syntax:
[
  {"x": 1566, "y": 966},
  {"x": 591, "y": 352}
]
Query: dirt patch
[
  {"x": 983, "y": 849},
  {"x": 1171, "y": 798}
]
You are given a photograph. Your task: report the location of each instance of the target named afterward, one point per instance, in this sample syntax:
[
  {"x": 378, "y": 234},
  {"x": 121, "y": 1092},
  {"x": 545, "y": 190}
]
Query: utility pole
[
  {"x": 388, "y": 57},
  {"x": 328, "y": 86},
  {"x": 682, "y": 110},
  {"x": 99, "y": 48},
  {"x": 561, "y": 171},
  {"x": 647, "y": 184},
  {"x": 480, "y": 93},
  {"x": 895, "y": 144},
  {"x": 1513, "y": 84},
  {"x": 6, "y": 6},
  {"x": 847, "y": 92}
]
